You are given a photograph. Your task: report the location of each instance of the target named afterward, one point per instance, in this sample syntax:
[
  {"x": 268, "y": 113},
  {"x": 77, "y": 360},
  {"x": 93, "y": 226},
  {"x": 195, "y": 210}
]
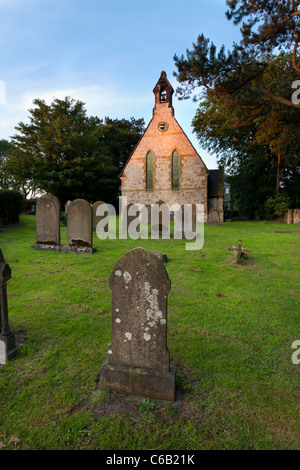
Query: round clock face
[{"x": 163, "y": 126}]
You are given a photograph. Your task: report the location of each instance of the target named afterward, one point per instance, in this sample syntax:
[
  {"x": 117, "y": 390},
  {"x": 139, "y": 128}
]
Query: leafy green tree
[
  {"x": 5, "y": 148},
  {"x": 221, "y": 121},
  {"x": 121, "y": 137},
  {"x": 245, "y": 94},
  {"x": 71, "y": 155},
  {"x": 14, "y": 177}
]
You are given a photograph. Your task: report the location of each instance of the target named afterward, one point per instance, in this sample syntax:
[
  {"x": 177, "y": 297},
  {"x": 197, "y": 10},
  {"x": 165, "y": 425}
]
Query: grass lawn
[{"x": 230, "y": 332}]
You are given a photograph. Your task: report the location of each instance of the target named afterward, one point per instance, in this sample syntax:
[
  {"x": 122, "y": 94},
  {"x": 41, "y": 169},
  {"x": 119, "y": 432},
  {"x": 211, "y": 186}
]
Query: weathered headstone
[
  {"x": 138, "y": 359},
  {"x": 66, "y": 206},
  {"x": 296, "y": 216},
  {"x": 79, "y": 227},
  {"x": 47, "y": 223},
  {"x": 213, "y": 217},
  {"x": 290, "y": 216},
  {"x": 97, "y": 217},
  {"x": 8, "y": 347}
]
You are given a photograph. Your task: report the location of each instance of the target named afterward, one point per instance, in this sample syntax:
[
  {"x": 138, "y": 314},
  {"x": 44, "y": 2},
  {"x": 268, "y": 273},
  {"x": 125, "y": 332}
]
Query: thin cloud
[{"x": 100, "y": 100}]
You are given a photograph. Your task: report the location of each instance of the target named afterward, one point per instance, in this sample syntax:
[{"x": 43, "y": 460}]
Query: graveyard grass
[{"x": 230, "y": 332}]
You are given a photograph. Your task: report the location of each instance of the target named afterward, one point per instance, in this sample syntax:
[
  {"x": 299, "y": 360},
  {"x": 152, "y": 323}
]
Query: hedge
[{"x": 11, "y": 206}]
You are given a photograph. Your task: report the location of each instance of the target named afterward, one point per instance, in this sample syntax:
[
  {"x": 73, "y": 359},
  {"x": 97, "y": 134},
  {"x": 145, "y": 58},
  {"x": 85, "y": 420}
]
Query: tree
[
  {"x": 67, "y": 153},
  {"x": 221, "y": 121},
  {"x": 5, "y": 148},
  {"x": 264, "y": 133},
  {"x": 277, "y": 23},
  {"x": 12, "y": 176},
  {"x": 267, "y": 25},
  {"x": 245, "y": 95},
  {"x": 121, "y": 136}
]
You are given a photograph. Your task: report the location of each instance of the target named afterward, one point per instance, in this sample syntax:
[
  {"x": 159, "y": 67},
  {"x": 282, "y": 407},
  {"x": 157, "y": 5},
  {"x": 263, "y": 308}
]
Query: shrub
[
  {"x": 11, "y": 206},
  {"x": 276, "y": 207}
]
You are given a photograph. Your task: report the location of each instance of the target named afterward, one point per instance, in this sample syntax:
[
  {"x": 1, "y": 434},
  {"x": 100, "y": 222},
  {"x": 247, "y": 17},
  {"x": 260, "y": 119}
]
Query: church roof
[{"x": 162, "y": 85}]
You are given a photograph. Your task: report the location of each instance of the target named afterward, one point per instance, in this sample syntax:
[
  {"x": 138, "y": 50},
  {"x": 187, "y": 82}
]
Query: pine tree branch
[{"x": 270, "y": 96}]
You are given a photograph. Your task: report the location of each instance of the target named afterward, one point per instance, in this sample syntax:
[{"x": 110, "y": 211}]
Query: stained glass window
[
  {"x": 175, "y": 170},
  {"x": 149, "y": 171}
]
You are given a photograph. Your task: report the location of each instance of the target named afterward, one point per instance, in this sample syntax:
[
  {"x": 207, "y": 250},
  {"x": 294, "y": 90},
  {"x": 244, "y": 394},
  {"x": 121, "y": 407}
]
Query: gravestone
[
  {"x": 8, "y": 347},
  {"x": 98, "y": 218},
  {"x": 79, "y": 227},
  {"x": 66, "y": 206},
  {"x": 138, "y": 359},
  {"x": 47, "y": 223},
  {"x": 213, "y": 217},
  {"x": 296, "y": 216},
  {"x": 290, "y": 216}
]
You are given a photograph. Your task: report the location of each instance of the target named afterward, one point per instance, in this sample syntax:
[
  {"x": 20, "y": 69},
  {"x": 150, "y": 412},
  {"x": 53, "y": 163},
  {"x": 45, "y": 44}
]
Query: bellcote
[{"x": 163, "y": 92}]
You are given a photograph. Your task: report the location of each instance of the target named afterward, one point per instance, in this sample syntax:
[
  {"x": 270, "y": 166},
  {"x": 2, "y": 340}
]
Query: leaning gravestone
[
  {"x": 47, "y": 223},
  {"x": 8, "y": 346},
  {"x": 213, "y": 217},
  {"x": 138, "y": 359},
  {"x": 79, "y": 227},
  {"x": 97, "y": 217}
]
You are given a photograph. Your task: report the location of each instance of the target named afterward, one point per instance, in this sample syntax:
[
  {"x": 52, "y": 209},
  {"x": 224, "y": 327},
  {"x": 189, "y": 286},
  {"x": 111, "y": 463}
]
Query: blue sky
[{"x": 107, "y": 53}]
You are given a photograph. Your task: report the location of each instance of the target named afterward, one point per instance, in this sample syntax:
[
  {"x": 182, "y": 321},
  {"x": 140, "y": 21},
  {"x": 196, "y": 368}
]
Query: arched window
[
  {"x": 175, "y": 169},
  {"x": 149, "y": 171}
]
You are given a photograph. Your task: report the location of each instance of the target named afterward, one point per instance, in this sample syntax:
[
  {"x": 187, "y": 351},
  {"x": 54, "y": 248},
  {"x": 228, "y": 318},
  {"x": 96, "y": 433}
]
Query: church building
[{"x": 164, "y": 165}]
